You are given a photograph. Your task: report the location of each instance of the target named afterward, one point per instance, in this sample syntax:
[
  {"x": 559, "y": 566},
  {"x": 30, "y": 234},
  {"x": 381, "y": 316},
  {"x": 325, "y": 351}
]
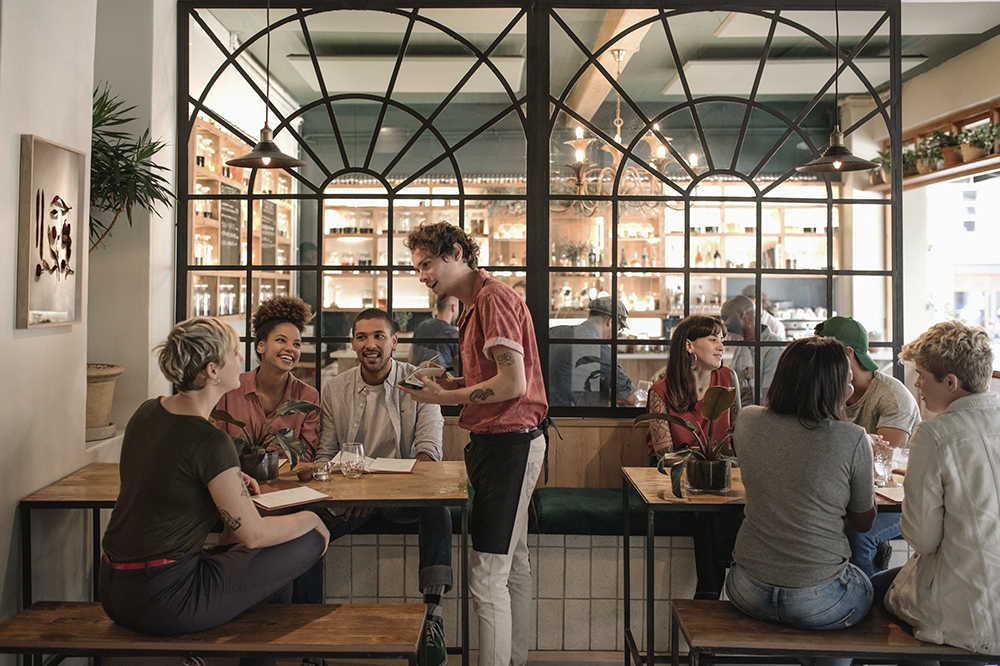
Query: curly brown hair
[
  {"x": 279, "y": 310},
  {"x": 439, "y": 239}
]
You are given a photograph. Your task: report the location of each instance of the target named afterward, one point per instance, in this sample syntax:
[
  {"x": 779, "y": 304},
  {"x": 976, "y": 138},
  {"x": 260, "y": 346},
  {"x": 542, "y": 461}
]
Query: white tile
[
  {"x": 661, "y": 634},
  {"x": 637, "y": 572},
  {"x": 364, "y": 539},
  {"x": 900, "y": 553},
  {"x": 604, "y": 573},
  {"x": 576, "y": 632},
  {"x": 532, "y": 540},
  {"x": 364, "y": 571},
  {"x": 451, "y": 612},
  {"x": 577, "y": 574},
  {"x": 604, "y": 624},
  {"x": 578, "y": 541},
  {"x": 412, "y": 571},
  {"x": 337, "y": 571},
  {"x": 550, "y": 625},
  {"x": 551, "y": 566},
  {"x": 605, "y": 541},
  {"x": 551, "y": 541},
  {"x": 662, "y": 573},
  {"x": 391, "y": 539},
  {"x": 391, "y": 579},
  {"x": 683, "y": 577},
  {"x": 682, "y": 542},
  {"x": 533, "y": 636},
  {"x": 412, "y": 539}
]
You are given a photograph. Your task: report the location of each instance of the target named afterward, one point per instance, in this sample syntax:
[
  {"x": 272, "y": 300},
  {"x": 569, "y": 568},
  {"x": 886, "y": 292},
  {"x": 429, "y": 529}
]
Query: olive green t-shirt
[{"x": 164, "y": 509}]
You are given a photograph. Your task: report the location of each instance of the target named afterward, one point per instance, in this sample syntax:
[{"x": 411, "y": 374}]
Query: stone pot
[
  {"x": 100, "y": 393},
  {"x": 265, "y": 471},
  {"x": 707, "y": 476}
]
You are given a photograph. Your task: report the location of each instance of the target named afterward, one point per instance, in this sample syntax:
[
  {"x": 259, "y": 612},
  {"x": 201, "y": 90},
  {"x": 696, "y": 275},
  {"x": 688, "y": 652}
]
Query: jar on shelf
[
  {"x": 365, "y": 222},
  {"x": 404, "y": 221}
]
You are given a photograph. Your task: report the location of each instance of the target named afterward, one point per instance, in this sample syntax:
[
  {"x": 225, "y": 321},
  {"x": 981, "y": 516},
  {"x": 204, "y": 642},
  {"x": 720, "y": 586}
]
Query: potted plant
[
  {"x": 910, "y": 160},
  {"x": 259, "y": 451},
  {"x": 928, "y": 155},
  {"x": 122, "y": 176},
  {"x": 978, "y": 140},
  {"x": 880, "y": 173},
  {"x": 708, "y": 463},
  {"x": 947, "y": 143}
]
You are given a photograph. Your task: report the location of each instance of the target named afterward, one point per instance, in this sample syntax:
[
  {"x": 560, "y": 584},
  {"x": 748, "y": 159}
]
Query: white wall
[{"x": 46, "y": 74}]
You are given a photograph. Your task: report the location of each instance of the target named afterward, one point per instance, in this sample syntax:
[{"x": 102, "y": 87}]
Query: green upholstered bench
[{"x": 598, "y": 511}]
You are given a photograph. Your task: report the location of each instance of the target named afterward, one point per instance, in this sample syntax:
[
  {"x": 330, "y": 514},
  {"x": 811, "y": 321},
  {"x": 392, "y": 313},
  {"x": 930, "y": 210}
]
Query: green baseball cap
[{"x": 852, "y": 334}]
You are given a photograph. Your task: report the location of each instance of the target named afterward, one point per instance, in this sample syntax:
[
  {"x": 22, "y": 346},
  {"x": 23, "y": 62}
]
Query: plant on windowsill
[
  {"x": 708, "y": 463},
  {"x": 259, "y": 451},
  {"x": 928, "y": 155},
  {"x": 910, "y": 160},
  {"x": 979, "y": 140},
  {"x": 880, "y": 174},
  {"x": 947, "y": 143}
]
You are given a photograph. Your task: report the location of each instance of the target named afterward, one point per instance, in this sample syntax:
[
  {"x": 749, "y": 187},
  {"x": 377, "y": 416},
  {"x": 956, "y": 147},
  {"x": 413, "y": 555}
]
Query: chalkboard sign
[
  {"x": 268, "y": 224},
  {"x": 229, "y": 227}
]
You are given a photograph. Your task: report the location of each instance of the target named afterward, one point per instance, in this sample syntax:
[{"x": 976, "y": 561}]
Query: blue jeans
[
  {"x": 837, "y": 604},
  {"x": 865, "y": 544},
  {"x": 434, "y": 533}
]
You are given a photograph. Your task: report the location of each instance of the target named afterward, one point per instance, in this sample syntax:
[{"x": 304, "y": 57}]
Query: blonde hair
[
  {"x": 951, "y": 347},
  {"x": 191, "y": 346}
]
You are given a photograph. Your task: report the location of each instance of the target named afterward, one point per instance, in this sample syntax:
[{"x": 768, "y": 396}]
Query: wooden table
[
  {"x": 655, "y": 491},
  {"x": 96, "y": 486}
]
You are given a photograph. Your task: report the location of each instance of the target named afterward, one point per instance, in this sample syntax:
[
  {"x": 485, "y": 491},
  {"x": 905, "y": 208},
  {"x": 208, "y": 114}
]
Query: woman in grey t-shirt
[{"x": 805, "y": 469}]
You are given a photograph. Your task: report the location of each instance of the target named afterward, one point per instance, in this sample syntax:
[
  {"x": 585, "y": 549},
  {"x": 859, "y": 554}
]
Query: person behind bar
[{"x": 179, "y": 475}]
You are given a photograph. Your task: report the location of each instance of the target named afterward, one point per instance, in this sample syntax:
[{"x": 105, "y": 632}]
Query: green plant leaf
[
  {"x": 225, "y": 417},
  {"x": 295, "y": 407},
  {"x": 717, "y": 400},
  {"x": 676, "y": 461},
  {"x": 290, "y": 444}
]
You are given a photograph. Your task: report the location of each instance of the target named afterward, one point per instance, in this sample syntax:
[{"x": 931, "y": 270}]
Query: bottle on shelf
[
  {"x": 500, "y": 259},
  {"x": 513, "y": 258},
  {"x": 591, "y": 258},
  {"x": 717, "y": 258},
  {"x": 624, "y": 261},
  {"x": 636, "y": 262},
  {"x": 567, "y": 296},
  {"x": 699, "y": 261},
  {"x": 645, "y": 257}
]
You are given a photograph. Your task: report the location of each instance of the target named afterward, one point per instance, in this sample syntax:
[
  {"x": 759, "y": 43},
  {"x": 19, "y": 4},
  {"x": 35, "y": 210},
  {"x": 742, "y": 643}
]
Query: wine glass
[{"x": 352, "y": 460}]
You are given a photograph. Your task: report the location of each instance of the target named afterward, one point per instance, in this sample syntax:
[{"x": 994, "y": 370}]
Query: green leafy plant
[
  {"x": 928, "y": 149},
  {"x": 943, "y": 139},
  {"x": 254, "y": 446},
  {"x": 717, "y": 400},
  {"x": 910, "y": 158},
  {"x": 122, "y": 171},
  {"x": 982, "y": 136}
]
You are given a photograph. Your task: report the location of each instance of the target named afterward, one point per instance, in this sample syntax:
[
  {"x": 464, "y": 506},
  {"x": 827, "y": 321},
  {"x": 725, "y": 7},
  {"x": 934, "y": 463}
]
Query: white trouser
[{"x": 500, "y": 584}]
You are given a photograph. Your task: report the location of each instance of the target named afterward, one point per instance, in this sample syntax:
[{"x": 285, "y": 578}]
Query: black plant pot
[
  {"x": 264, "y": 471},
  {"x": 707, "y": 476}
]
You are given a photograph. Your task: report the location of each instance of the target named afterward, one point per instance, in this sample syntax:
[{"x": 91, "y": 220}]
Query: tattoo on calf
[
  {"x": 232, "y": 522},
  {"x": 479, "y": 395},
  {"x": 506, "y": 358}
]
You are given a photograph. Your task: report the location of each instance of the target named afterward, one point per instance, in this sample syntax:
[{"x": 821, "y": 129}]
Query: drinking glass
[
  {"x": 883, "y": 463},
  {"x": 642, "y": 393},
  {"x": 321, "y": 471},
  {"x": 352, "y": 460}
]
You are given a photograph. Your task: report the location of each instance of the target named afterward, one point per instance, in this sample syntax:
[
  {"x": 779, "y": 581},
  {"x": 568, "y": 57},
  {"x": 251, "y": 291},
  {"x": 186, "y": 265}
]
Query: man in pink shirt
[{"x": 504, "y": 406}]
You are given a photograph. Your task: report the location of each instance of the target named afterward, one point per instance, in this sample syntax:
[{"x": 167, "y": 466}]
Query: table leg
[
  {"x": 465, "y": 584},
  {"x": 627, "y": 572},
  {"x": 650, "y": 553},
  {"x": 96, "y": 546},
  {"x": 25, "y": 557},
  {"x": 675, "y": 638}
]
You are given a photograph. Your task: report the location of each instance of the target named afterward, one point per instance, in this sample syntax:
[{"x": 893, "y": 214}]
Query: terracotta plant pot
[
  {"x": 951, "y": 155},
  {"x": 707, "y": 476},
  {"x": 265, "y": 471},
  {"x": 925, "y": 166},
  {"x": 100, "y": 393},
  {"x": 972, "y": 153}
]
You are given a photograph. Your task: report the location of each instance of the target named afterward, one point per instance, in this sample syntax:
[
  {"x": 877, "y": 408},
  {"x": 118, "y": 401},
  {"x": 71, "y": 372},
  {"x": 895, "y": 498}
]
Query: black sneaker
[
  {"x": 435, "y": 651},
  {"x": 882, "y": 556}
]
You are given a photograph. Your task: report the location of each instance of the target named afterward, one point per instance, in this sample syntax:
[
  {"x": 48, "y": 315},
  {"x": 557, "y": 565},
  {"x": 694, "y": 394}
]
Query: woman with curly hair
[{"x": 277, "y": 325}]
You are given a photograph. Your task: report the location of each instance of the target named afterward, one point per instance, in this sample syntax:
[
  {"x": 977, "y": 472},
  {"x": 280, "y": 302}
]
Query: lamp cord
[
  {"x": 267, "y": 67},
  {"x": 836, "y": 69}
]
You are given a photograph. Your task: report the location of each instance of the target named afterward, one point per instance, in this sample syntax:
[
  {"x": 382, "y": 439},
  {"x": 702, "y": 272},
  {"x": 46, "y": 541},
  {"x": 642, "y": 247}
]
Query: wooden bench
[
  {"x": 383, "y": 631},
  {"x": 717, "y": 628}
]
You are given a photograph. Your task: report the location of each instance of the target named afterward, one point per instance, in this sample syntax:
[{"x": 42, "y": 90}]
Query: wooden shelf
[{"x": 989, "y": 163}]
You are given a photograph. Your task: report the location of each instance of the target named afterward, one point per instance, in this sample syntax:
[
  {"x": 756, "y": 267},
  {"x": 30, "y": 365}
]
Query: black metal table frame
[
  {"x": 95, "y": 506},
  {"x": 632, "y": 653}
]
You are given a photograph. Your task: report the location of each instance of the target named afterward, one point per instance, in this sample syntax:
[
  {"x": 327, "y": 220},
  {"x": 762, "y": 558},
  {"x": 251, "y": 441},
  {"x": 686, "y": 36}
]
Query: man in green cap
[
  {"x": 884, "y": 407},
  {"x": 581, "y": 374}
]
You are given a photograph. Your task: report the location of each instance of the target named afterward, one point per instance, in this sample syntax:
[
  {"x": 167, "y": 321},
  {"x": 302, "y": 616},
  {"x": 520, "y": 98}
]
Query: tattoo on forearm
[
  {"x": 479, "y": 395},
  {"x": 230, "y": 521},
  {"x": 506, "y": 358},
  {"x": 243, "y": 492}
]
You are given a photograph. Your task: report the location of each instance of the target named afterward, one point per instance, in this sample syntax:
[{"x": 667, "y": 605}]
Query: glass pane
[
  {"x": 869, "y": 246},
  {"x": 867, "y": 299}
]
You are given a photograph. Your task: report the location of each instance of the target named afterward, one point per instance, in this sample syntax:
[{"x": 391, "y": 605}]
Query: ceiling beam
[{"x": 592, "y": 88}]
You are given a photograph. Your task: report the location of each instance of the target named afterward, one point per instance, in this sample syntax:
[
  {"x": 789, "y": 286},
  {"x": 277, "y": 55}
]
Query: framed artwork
[{"x": 50, "y": 247}]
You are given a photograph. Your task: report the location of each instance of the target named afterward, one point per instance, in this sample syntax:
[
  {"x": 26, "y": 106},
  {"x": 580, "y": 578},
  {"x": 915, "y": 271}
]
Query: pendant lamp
[
  {"x": 837, "y": 157},
  {"x": 266, "y": 155}
]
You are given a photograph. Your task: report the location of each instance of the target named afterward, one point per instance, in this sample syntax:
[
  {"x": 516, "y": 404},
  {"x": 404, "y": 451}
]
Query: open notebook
[
  {"x": 382, "y": 465},
  {"x": 276, "y": 499}
]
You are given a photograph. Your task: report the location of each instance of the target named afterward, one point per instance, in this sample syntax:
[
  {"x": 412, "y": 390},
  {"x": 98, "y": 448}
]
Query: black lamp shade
[
  {"x": 836, "y": 158},
  {"x": 265, "y": 155}
]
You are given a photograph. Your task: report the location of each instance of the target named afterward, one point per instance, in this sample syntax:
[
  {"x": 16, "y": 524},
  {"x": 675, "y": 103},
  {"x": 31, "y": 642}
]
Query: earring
[{"x": 216, "y": 382}]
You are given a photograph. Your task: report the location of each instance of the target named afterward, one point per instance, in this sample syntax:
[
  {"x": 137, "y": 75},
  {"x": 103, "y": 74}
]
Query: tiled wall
[{"x": 577, "y": 585}]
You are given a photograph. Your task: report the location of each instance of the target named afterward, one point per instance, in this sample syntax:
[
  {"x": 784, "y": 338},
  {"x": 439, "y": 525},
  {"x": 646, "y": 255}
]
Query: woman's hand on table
[{"x": 251, "y": 484}]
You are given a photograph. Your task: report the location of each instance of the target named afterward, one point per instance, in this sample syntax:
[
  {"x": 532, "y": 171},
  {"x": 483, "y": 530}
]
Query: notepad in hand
[
  {"x": 278, "y": 499},
  {"x": 426, "y": 368}
]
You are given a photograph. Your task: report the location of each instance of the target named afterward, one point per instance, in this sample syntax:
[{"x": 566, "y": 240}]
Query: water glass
[
  {"x": 321, "y": 471},
  {"x": 352, "y": 460},
  {"x": 642, "y": 393},
  {"x": 883, "y": 463}
]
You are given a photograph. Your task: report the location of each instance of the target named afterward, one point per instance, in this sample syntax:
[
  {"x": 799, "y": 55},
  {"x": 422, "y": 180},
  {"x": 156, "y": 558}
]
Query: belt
[{"x": 126, "y": 566}]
